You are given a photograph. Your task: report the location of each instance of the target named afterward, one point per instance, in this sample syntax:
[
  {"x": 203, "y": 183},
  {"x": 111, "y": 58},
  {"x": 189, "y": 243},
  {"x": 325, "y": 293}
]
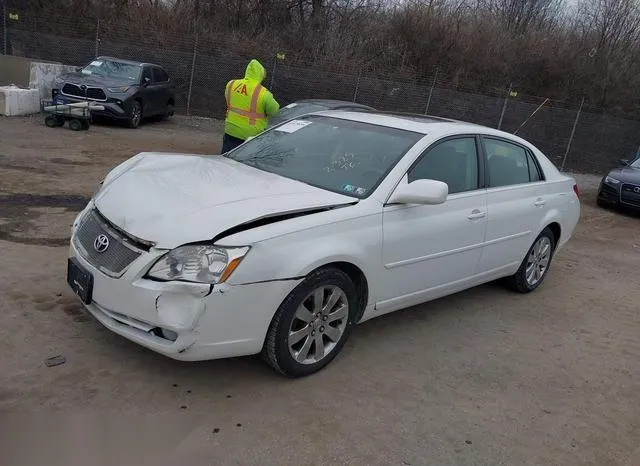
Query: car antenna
[{"x": 530, "y": 116}]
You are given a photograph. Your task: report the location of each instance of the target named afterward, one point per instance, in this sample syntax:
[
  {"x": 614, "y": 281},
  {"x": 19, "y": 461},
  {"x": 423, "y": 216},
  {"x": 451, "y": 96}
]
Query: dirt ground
[{"x": 485, "y": 377}]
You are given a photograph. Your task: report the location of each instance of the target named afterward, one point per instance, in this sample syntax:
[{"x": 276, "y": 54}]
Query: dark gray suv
[{"x": 128, "y": 90}]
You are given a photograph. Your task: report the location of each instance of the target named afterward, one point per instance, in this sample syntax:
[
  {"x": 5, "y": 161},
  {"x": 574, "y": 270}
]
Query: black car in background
[
  {"x": 621, "y": 186},
  {"x": 303, "y": 107},
  {"x": 128, "y": 90}
]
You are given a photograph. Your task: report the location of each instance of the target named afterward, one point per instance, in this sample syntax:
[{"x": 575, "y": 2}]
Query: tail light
[{"x": 576, "y": 190}]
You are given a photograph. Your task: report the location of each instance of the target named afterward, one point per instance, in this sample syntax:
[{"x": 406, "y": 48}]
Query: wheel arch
[{"x": 359, "y": 280}]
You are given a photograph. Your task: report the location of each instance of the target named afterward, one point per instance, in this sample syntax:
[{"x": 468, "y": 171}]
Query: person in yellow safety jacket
[{"x": 249, "y": 104}]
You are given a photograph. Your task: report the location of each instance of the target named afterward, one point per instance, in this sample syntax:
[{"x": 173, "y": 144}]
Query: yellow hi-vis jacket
[{"x": 249, "y": 103}]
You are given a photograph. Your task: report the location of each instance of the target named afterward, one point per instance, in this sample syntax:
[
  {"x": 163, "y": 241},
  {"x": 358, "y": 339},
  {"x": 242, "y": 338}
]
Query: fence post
[
  {"x": 573, "y": 132},
  {"x": 355, "y": 91},
  {"x": 5, "y": 34},
  {"x": 433, "y": 85},
  {"x": 504, "y": 105},
  {"x": 193, "y": 70},
  {"x": 97, "y": 38},
  {"x": 273, "y": 72}
]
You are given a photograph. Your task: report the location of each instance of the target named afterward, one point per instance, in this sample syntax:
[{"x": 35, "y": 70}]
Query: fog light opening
[{"x": 164, "y": 333}]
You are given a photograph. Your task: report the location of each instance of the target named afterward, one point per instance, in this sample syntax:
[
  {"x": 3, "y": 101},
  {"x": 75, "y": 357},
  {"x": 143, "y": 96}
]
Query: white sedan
[{"x": 283, "y": 244}]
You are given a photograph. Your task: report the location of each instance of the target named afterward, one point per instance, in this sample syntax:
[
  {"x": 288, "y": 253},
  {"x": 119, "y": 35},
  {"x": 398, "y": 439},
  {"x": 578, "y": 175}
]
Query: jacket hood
[
  {"x": 255, "y": 71},
  {"x": 174, "y": 199}
]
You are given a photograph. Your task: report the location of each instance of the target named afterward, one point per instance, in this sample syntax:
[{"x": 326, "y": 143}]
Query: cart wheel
[
  {"x": 85, "y": 124},
  {"x": 53, "y": 121},
  {"x": 75, "y": 124}
]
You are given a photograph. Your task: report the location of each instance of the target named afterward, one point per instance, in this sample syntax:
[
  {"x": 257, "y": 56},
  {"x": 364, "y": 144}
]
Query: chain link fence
[{"x": 581, "y": 139}]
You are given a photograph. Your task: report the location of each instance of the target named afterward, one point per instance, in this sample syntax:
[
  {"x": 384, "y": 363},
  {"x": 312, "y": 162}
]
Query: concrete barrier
[
  {"x": 43, "y": 76},
  {"x": 15, "y": 101}
]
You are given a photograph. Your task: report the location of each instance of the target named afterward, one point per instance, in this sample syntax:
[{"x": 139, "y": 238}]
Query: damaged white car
[{"x": 283, "y": 244}]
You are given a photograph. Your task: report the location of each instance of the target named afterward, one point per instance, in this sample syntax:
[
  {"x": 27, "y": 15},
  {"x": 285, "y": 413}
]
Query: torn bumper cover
[{"x": 184, "y": 321}]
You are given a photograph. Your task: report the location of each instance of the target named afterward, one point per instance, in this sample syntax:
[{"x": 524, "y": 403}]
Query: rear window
[
  {"x": 343, "y": 156},
  {"x": 295, "y": 110}
]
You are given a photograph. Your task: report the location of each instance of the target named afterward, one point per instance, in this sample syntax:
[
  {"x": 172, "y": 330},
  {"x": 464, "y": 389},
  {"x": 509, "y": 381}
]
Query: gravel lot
[{"x": 485, "y": 377}]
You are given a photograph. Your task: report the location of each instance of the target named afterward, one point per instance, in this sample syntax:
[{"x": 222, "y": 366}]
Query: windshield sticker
[
  {"x": 292, "y": 126},
  {"x": 96, "y": 63},
  {"x": 349, "y": 188}
]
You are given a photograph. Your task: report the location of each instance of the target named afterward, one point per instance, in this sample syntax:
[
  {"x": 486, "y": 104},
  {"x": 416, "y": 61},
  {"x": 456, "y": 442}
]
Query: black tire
[
  {"x": 135, "y": 114},
  {"x": 85, "y": 124},
  {"x": 169, "y": 111},
  {"x": 518, "y": 281},
  {"x": 53, "y": 121},
  {"x": 75, "y": 124},
  {"x": 276, "y": 350}
]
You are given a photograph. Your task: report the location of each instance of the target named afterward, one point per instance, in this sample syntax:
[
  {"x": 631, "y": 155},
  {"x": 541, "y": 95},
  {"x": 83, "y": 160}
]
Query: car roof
[
  {"x": 128, "y": 62},
  {"x": 424, "y": 124},
  {"x": 332, "y": 103}
]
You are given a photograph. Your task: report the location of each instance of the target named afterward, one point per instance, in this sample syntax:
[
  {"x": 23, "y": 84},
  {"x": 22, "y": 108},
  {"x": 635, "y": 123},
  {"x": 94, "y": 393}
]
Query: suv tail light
[{"x": 576, "y": 190}]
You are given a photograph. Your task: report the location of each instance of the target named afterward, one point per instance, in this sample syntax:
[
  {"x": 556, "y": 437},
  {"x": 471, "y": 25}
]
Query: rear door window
[{"x": 509, "y": 164}]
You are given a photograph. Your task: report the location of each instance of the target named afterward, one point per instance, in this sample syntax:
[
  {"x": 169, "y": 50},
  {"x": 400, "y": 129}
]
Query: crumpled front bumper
[{"x": 184, "y": 321}]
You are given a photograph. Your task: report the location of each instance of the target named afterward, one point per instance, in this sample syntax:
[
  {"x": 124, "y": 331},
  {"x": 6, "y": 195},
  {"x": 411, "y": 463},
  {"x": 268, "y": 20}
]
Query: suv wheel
[{"x": 135, "y": 114}]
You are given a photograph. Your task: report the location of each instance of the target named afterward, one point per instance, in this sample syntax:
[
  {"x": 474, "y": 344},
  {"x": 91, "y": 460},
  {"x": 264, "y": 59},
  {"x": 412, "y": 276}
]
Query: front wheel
[
  {"x": 535, "y": 265},
  {"x": 135, "y": 114},
  {"x": 312, "y": 324}
]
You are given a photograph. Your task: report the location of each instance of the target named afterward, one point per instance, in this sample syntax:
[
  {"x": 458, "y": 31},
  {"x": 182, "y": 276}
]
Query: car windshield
[
  {"x": 113, "y": 69},
  {"x": 342, "y": 156}
]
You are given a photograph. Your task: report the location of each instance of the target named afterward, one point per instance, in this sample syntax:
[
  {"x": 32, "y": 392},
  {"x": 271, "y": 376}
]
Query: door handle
[
  {"x": 539, "y": 202},
  {"x": 476, "y": 214}
]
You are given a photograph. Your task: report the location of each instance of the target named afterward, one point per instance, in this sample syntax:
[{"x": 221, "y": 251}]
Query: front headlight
[
  {"x": 198, "y": 263},
  {"x": 610, "y": 180},
  {"x": 118, "y": 90}
]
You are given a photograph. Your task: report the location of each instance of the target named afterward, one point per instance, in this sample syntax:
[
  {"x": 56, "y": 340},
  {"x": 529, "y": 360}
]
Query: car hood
[
  {"x": 174, "y": 199},
  {"x": 94, "y": 80},
  {"x": 626, "y": 174}
]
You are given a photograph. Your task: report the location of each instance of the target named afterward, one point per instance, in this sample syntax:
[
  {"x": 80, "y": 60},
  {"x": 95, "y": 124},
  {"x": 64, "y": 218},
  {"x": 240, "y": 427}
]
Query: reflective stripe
[
  {"x": 252, "y": 114},
  {"x": 254, "y": 103},
  {"x": 227, "y": 95}
]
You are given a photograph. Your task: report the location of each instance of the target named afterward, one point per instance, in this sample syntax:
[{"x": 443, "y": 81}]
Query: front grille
[
  {"x": 630, "y": 194},
  {"x": 120, "y": 253},
  {"x": 91, "y": 93}
]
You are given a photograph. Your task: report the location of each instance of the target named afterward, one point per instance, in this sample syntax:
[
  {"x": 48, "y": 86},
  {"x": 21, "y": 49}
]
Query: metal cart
[{"x": 78, "y": 114}]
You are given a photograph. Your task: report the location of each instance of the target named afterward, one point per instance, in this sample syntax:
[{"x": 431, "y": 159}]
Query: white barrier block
[{"x": 16, "y": 102}]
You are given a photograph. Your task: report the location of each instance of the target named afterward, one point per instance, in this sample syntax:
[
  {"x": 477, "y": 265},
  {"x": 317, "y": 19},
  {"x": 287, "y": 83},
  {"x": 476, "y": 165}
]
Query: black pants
[{"x": 229, "y": 143}]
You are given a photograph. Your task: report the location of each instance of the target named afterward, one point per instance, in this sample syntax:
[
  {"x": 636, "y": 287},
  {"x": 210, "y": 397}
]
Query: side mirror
[
  {"x": 146, "y": 82},
  {"x": 79, "y": 69},
  {"x": 421, "y": 192},
  {"x": 624, "y": 162}
]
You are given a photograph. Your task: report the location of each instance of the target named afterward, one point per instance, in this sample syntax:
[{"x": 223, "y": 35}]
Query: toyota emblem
[
  {"x": 636, "y": 189},
  {"x": 101, "y": 243}
]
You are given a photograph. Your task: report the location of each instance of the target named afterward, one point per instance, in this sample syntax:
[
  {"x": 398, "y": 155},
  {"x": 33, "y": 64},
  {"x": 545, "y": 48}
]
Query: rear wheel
[
  {"x": 312, "y": 324},
  {"x": 535, "y": 265},
  {"x": 135, "y": 114},
  {"x": 76, "y": 125}
]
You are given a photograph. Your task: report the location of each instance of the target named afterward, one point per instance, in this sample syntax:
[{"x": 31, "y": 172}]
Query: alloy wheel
[
  {"x": 538, "y": 261},
  {"x": 318, "y": 324}
]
